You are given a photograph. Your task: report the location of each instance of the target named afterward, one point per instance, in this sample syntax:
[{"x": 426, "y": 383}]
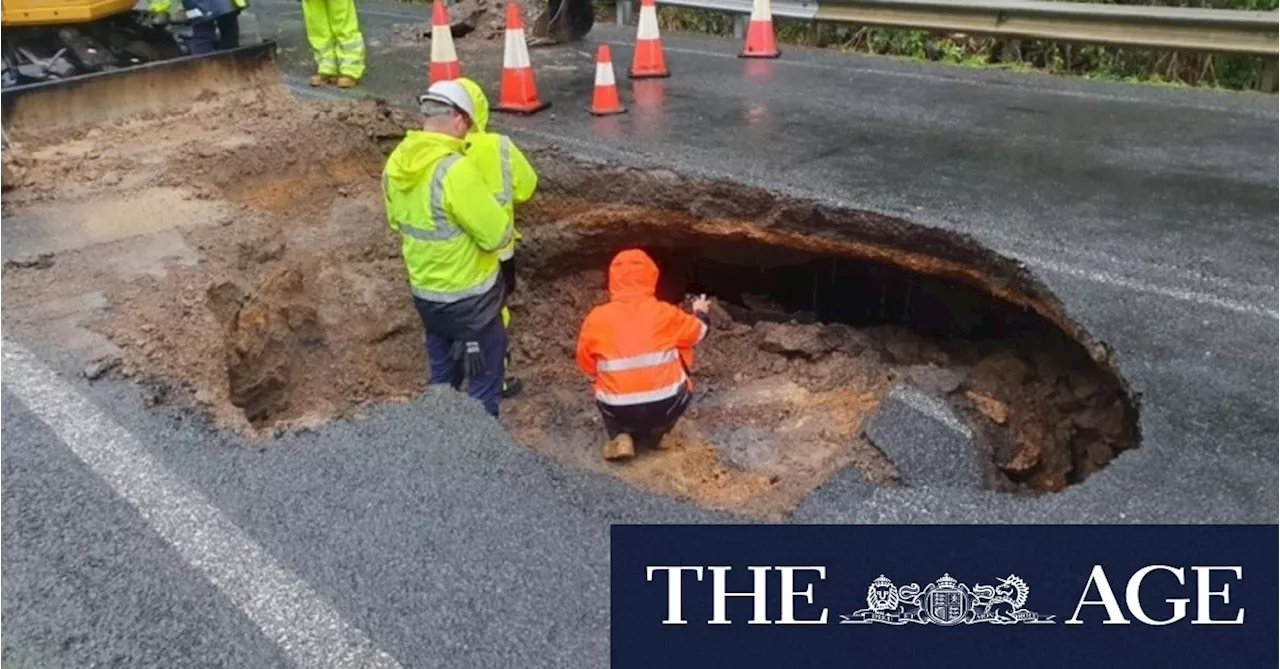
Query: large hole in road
[{"x": 298, "y": 312}]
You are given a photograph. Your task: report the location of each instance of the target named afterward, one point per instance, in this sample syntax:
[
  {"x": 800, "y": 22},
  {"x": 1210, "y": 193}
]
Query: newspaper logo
[{"x": 947, "y": 602}]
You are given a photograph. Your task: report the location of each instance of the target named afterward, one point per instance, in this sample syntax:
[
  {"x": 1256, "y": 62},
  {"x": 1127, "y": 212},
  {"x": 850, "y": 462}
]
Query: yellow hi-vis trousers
[{"x": 334, "y": 33}]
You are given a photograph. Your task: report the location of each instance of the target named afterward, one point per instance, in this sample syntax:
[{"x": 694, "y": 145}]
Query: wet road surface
[{"x": 438, "y": 541}]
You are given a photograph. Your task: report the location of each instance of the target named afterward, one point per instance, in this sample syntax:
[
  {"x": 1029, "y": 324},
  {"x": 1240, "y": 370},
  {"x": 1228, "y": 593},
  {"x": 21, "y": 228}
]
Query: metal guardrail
[{"x": 1209, "y": 30}]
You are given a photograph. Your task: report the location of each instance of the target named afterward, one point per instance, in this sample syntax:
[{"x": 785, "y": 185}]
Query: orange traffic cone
[
  {"x": 519, "y": 94},
  {"x": 604, "y": 100},
  {"x": 649, "y": 60},
  {"x": 444, "y": 59},
  {"x": 760, "y": 42}
]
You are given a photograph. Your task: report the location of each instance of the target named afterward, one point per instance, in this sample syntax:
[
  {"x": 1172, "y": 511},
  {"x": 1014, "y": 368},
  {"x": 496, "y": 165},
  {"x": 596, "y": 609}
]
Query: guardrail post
[
  {"x": 817, "y": 33},
  {"x": 1011, "y": 51},
  {"x": 1267, "y": 84},
  {"x": 740, "y": 26},
  {"x": 623, "y": 15}
]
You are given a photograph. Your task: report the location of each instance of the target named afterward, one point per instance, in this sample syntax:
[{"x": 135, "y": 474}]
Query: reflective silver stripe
[
  {"x": 325, "y": 55},
  {"x": 507, "y": 235},
  {"x": 444, "y": 229},
  {"x": 353, "y": 45},
  {"x": 627, "y": 399},
  {"x": 438, "y": 214},
  {"x": 507, "y": 253},
  {"x": 441, "y": 234},
  {"x": 504, "y": 162},
  {"x": 637, "y": 361},
  {"x": 435, "y": 296}
]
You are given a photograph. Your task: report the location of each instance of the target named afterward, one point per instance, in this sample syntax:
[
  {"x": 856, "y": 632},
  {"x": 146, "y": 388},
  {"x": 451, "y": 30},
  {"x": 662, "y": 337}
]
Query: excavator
[{"x": 71, "y": 63}]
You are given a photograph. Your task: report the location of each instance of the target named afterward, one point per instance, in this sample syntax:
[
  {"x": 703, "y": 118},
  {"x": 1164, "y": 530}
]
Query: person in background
[
  {"x": 215, "y": 25},
  {"x": 336, "y": 42},
  {"x": 220, "y": 33},
  {"x": 451, "y": 229},
  {"x": 637, "y": 350},
  {"x": 512, "y": 180}
]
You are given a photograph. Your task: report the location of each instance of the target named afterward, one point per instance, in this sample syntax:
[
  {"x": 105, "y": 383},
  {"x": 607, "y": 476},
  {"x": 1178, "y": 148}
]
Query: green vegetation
[{"x": 1090, "y": 61}]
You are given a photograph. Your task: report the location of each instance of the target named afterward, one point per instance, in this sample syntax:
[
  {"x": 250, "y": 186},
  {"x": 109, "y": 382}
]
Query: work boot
[
  {"x": 620, "y": 447},
  {"x": 319, "y": 79},
  {"x": 346, "y": 82},
  {"x": 511, "y": 386}
]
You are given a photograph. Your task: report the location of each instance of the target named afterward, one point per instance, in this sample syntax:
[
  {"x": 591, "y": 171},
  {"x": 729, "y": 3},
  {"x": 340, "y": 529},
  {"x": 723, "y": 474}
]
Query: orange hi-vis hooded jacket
[{"x": 636, "y": 348}]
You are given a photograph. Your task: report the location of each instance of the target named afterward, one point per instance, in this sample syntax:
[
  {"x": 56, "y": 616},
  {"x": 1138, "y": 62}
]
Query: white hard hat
[{"x": 450, "y": 93}]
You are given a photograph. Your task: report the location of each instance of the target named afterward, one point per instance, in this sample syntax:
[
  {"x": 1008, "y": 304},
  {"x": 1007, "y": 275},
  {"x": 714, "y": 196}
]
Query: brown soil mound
[{"x": 472, "y": 19}]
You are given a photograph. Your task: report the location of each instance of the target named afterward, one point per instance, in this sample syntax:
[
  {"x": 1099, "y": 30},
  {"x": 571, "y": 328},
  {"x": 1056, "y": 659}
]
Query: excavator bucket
[
  {"x": 156, "y": 87},
  {"x": 562, "y": 21}
]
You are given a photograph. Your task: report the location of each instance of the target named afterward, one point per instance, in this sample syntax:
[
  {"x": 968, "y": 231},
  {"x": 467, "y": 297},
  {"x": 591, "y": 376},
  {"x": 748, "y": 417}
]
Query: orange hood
[{"x": 632, "y": 276}]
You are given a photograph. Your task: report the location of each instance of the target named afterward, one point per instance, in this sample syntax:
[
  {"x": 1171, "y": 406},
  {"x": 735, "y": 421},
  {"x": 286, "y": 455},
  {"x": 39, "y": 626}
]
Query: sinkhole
[{"x": 822, "y": 314}]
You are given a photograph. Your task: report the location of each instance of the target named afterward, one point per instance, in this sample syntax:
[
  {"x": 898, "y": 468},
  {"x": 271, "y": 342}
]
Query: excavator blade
[{"x": 156, "y": 87}]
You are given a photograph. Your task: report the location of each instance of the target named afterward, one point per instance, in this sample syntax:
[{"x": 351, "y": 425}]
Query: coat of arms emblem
[{"x": 947, "y": 602}]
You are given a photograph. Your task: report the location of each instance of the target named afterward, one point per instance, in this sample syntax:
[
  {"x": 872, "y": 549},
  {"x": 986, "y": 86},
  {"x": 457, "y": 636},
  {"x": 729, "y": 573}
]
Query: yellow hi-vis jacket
[
  {"x": 501, "y": 163},
  {"x": 450, "y": 226},
  {"x": 164, "y": 6}
]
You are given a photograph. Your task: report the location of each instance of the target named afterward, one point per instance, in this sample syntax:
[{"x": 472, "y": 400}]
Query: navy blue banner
[{"x": 1078, "y": 596}]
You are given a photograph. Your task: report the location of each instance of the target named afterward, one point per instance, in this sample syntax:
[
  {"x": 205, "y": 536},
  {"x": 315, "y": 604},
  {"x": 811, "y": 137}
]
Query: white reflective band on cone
[
  {"x": 760, "y": 11},
  {"x": 515, "y": 54},
  {"x": 648, "y": 28},
  {"x": 442, "y": 50},
  {"x": 604, "y": 74}
]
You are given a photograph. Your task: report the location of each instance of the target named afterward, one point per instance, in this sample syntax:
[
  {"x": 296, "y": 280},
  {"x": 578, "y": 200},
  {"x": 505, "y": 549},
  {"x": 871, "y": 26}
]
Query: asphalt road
[{"x": 423, "y": 536}]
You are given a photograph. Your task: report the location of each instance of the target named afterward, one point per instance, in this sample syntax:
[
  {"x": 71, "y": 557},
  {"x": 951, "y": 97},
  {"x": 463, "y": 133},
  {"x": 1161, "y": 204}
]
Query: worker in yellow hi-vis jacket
[
  {"x": 336, "y": 43},
  {"x": 512, "y": 180},
  {"x": 159, "y": 10}
]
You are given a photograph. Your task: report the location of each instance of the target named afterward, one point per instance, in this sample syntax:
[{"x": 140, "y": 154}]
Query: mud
[
  {"x": 475, "y": 20},
  {"x": 279, "y": 302}
]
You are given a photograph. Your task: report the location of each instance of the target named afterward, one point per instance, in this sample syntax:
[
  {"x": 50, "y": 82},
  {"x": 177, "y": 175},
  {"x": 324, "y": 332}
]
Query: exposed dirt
[
  {"x": 283, "y": 303},
  {"x": 772, "y": 419},
  {"x": 471, "y": 19}
]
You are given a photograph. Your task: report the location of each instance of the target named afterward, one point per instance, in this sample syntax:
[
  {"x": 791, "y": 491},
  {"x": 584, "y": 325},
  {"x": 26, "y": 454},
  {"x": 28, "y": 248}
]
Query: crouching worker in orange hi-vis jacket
[{"x": 637, "y": 350}]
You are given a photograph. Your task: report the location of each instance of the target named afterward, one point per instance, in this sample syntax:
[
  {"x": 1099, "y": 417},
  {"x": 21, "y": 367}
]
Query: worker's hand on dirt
[{"x": 701, "y": 304}]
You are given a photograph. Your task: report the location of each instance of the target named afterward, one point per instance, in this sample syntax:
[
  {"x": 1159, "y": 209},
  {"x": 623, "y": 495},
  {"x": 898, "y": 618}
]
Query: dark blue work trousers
[
  {"x": 648, "y": 422},
  {"x": 487, "y": 388},
  {"x": 219, "y": 34}
]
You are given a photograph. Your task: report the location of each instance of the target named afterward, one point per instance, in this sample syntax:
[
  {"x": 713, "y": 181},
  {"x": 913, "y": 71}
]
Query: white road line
[
  {"x": 1098, "y": 276},
  {"x": 931, "y": 407},
  {"x": 1143, "y": 287},
  {"x": 286, "y": 609}
]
